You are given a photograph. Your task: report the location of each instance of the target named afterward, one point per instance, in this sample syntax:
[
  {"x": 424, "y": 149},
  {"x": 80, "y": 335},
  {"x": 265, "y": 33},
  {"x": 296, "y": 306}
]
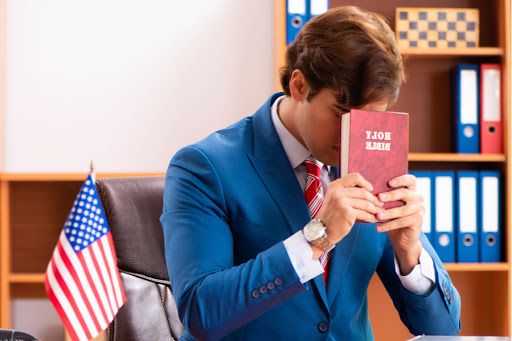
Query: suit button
[
  {"x": 278, "y": 281},
  {"x": 255, "y": 294},
  {"x": 323, "y": 326},
  {"x": 263, "y": 289},
  {"x": 271, "y": 285}
]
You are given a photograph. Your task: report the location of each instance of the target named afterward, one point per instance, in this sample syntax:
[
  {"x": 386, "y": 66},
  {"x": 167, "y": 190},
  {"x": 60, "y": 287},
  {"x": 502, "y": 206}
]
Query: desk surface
[{"x": 460, "y": 338}]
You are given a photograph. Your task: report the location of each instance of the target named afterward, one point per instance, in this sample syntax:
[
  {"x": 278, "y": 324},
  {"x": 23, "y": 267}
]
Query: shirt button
[
  {"x": 263, "y": 289},
  {"x": 323, "y": 326},
  {"x": 255, "y": 294},
  {"x": 271, "y": 285},
  {"x": 278, "y": 281}
]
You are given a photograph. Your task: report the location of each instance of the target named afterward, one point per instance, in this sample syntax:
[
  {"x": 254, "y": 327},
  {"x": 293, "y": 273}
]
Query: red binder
[{"x": 491, "y": 122}]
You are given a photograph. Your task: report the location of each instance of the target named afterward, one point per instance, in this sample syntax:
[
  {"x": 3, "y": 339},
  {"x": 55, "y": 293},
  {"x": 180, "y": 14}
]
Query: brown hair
[{"x": 350, "y": 51}]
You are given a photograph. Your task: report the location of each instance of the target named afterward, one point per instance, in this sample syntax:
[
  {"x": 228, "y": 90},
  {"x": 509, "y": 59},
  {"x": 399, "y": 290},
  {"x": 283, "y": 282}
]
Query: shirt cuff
[
  {"x": 301, "y": 254},
  {"x": 422, "y": 278}
]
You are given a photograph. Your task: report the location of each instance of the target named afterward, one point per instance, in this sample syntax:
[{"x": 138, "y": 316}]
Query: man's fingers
[
  {"x": 406, "y": 180},
  {"x": 360, "y": 193},
  {"x": 365, "y": 216},
  {"x": 403, "y": 194},
  {"x": 356, "y": 179},
  {"x": 396, "y": 224},
  {"x": 364, "y": 205},
  {"x": 401, "y": 211}
]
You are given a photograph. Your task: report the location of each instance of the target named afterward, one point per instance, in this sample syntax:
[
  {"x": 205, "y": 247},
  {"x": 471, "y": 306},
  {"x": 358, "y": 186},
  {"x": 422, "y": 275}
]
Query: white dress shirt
[{"x": 419, "y": 281}]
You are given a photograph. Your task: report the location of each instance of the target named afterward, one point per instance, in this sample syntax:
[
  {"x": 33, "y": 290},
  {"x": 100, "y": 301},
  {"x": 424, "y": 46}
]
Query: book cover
[{"x": 375, "y": 144}]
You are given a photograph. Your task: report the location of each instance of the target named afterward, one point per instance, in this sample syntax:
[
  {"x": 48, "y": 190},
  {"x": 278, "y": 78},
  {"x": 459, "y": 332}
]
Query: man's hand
[
  {"x": 403, "y": 223},
  {"x": 347, "y": 199}
]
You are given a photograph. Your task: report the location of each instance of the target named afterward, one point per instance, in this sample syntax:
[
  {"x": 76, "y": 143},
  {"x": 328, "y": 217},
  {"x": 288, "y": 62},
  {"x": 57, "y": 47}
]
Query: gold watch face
[{"x": 314, "y": 230}]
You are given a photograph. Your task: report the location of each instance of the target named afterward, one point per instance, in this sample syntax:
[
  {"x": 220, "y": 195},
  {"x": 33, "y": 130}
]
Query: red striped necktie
[{"x": 314, "y": 194}]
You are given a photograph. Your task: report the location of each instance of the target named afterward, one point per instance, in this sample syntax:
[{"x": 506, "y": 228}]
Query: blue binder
[
  {"x": 490, "y": 222},
  {"x": 296, "y": 16},
  {"x": 467, "y": 216},
  {"x": 465, "y": 108},
  {"x": 317, "y": 7},
  {"x": 444, "y": 241},
  {"x": 424, "y": 185}
]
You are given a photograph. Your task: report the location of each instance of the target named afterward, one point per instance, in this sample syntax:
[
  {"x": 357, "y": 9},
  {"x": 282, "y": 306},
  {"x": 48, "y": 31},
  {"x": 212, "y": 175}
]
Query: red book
[{"x": 375, "y": 144}]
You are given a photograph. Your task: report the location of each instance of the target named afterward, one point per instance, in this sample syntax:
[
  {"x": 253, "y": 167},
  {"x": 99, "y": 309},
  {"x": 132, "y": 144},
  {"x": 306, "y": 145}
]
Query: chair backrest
[
  {"x": 133, "y": 206},
  {"x": 15, "y": 335}
]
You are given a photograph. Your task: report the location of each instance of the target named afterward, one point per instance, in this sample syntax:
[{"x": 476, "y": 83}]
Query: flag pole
[{"x": 93, "y": 176}]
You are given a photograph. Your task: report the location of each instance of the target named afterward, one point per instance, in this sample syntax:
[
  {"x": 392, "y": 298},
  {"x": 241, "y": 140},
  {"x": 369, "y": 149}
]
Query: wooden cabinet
[{"x": 485, "y": 289}]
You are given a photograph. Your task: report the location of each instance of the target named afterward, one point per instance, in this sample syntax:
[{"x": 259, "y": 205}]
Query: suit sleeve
[
  {"x": 213, "y": 296},
  {"x": 435, "y": 313}
]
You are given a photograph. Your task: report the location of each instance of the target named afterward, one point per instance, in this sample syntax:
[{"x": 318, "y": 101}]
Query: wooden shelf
[
  {"x": 26, "y": 278},
  {"x": 455, "y": 157},
  {"x": 470, "y": 52},
  {"x": 66, "y": 176},
  {"x": 453, "y": 267}
]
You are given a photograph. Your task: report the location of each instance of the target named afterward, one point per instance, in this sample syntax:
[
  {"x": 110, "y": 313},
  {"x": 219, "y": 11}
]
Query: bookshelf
[{"x": 485, "y": 288}]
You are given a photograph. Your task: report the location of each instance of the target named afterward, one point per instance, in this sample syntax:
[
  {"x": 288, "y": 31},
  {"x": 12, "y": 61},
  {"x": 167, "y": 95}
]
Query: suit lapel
[{"x": 273, "y": 168}]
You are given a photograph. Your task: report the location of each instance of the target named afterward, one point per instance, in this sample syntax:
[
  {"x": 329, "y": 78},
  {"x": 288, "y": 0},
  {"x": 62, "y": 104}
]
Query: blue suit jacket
[{"x": 229, "y": 202}]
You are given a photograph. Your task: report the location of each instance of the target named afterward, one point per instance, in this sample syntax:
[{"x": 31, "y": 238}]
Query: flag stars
[{"x": 86, "y": 222}]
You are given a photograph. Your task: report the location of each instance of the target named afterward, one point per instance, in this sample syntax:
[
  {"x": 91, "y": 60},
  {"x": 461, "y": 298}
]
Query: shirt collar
[{"x": 295, "y": 151}]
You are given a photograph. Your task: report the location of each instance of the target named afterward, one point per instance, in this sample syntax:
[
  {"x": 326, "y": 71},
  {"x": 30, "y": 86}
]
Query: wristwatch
[{"x": 315, "y": 233}]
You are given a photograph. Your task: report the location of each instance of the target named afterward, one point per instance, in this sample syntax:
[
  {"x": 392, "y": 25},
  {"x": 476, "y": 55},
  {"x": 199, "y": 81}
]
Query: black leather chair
[
  {"x": 15, "y": 335},
  {"x": 133, "y": 207}
]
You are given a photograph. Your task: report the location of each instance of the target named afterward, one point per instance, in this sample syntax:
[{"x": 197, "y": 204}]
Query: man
[{"x": 254, "y": 215}]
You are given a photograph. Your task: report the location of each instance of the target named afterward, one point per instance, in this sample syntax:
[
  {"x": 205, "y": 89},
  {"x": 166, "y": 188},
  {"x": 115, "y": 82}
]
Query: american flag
[{"x": 82, "y": 280}]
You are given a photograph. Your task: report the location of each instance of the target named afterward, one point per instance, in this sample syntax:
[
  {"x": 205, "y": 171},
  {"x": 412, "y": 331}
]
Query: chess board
[{"x": 436, "y": 27}]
